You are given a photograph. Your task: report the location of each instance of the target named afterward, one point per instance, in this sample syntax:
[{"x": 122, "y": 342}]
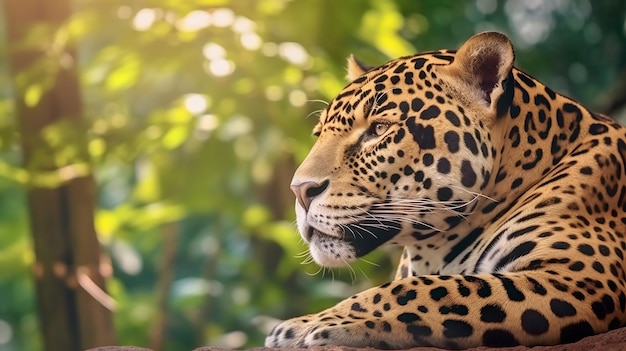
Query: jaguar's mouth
[
  {"x": 309, "y": 232},
  {"x": 312, "y": 233},
  {"x": 363, "y": 236}
]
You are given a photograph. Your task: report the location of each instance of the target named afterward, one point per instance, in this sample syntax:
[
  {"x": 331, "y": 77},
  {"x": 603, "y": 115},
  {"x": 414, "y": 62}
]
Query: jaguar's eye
[
  {"x": 378, "y": 128},
  {"x": 317, "y": 130}
]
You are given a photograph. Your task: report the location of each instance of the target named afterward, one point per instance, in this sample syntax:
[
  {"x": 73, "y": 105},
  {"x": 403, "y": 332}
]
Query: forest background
[{"x": 195, "y": 114}]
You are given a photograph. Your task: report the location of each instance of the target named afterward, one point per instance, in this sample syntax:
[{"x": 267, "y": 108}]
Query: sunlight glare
[
  {"x": 194, "y": 21},
  {"x": 144, "y": 19},
  {"x": 251, "y": 41},
  {"x": 213, "y": 51},
  {"x": 207, "y": 122},
  {"x": 223, "y": 17},
  {"x": 205, "y": 126},
  {"x": 220, "y": 67},
  {"x": 127, "y": 258},
  {"x": 196, "y": 103},
  {"x": 294, "y": 53},
  {"x": 243, "y": 25}
]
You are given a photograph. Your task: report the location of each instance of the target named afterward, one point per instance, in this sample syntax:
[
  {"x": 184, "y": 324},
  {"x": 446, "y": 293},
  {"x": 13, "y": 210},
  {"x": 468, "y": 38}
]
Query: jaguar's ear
[
  {"x": 484, "y": 61},
  {"x": 356, "y": 68}
]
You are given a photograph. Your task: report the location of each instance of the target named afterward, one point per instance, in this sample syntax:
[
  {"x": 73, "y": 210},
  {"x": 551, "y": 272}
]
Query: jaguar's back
[{"x": 509, "y": 199}]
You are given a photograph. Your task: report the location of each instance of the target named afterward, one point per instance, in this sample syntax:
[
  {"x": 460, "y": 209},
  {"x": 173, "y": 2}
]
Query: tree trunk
[{"x": 68, "y": 268}]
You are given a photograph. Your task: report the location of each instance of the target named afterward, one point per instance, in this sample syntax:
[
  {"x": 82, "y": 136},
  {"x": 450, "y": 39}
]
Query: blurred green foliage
[{"x": 197, "y": 114}]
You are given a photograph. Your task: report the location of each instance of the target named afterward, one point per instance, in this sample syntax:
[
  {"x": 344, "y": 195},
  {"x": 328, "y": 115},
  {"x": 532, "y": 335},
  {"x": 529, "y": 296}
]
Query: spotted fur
[{"x": 509, "y": 200}]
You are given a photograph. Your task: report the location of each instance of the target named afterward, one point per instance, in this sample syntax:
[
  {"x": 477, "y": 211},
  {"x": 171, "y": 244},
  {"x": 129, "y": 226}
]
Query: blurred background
[{"x": 194, "y": 116}]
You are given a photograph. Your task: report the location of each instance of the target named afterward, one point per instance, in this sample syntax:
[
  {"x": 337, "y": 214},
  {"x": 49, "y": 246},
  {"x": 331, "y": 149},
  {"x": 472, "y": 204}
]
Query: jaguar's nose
[{"x": 306, "y": 191}]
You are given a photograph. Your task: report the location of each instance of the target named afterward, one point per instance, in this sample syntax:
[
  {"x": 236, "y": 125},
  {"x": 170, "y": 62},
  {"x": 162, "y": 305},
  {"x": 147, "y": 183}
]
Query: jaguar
[{"x": 508, "y": 198}]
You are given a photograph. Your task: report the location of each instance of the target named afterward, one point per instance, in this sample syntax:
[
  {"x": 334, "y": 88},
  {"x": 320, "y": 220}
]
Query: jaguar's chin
[{"x": 330, "y": 251}]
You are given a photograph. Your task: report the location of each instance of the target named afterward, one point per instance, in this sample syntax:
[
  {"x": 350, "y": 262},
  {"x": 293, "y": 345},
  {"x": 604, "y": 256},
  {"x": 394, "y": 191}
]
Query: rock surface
[{"x": 611, "y": 341}]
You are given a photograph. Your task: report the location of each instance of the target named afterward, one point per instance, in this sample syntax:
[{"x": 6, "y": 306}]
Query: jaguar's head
[{"x": 404, "y": 151}]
